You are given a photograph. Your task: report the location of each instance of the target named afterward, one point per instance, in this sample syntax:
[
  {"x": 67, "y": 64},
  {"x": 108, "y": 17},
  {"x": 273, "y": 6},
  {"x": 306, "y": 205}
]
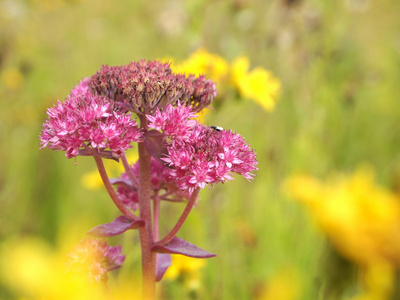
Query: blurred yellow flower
[
  {"x": 362, "y": 221},
  {"x": 378, "y": 281},
  {"x": 186, "y": 269},
  {"x": 32, "y": 269},
  {"x": 258, "y": 84},
  {"x": 359, "y": 217},
  {"x": 92, "y": 180},
  {"x": 12, "y": 78},
  {"x": 283, "y": 286},
  {"x": 202, "y": 114},
  {"x": 202, "y": 62}
]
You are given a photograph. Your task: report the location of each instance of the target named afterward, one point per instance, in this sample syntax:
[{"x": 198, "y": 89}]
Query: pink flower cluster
[
  {"x": 87, "y": 120},
  {"x": 160, "y": 180},
  {"x": 199, "y": 155},
  {"x": 92, "y": 258},
  {"x": 143, "y": 86}
]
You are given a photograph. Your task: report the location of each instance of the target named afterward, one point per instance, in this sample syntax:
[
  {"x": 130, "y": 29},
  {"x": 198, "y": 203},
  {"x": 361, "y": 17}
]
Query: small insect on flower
[{"x": 217, "y": 128}]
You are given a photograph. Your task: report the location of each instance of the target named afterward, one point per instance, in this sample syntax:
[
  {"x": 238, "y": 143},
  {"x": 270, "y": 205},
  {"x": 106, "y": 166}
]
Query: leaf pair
[{"x": 175, "y": 246}]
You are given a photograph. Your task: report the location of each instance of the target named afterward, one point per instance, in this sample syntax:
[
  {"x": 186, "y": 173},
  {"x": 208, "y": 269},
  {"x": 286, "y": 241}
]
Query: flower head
[
  {"x": 200, "y": 155},
  {"x": 91, "y": 259},
  {"x": 361, "y": 219},
  {"x": 203, "y": 62},
  {"x": 174, "y": 122},
  {"x": 259, "y": 84},
  {"x": 186, "y": 269},
  {"x": 87, "y": 120},
  {"x": 144, "y": 86}
]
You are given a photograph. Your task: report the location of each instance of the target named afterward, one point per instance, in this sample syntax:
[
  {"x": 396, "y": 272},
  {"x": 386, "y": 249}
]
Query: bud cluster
[{"x": 143, "y": 86}]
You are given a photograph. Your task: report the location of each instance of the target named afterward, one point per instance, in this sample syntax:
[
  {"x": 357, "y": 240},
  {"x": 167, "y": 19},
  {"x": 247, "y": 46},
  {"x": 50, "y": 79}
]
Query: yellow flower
[
  {"x": 202, "y": 114},
  {"x": 12, "y": 78},
  {"x": 32, "y": 269},
  {"x": 187, "y": 269},
  {"x": 92, "y": 180},
  {"x": 202, "y": 62},
  {"x": 239, "y": 69},
  {"x": 378, "y": 282},
  {"x": 258, "y": 84},
  {"x": 360, "y": 218}
]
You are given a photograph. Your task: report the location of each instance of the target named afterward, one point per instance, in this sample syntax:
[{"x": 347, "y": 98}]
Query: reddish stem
[
  {"x": 182, "y": 219},
  {"x": 110, "y": 189},
  {"x": 146, "y": 232}
]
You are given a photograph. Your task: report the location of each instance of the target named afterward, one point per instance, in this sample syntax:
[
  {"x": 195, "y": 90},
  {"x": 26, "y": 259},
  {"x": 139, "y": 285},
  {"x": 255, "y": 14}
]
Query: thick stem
[
  {"x": 146, "y": 232},
  {"x": 182, "y": 219},
  {"x": 110, "y": 189}
]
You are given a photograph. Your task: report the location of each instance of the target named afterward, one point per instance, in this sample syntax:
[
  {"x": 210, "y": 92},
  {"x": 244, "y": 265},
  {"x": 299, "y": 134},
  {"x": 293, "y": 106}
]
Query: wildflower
[
  {"x": 92, "y": 180},
  {"x": 258, "y": 84},
  {"x": 86, "y": 120},
  {"x": 360, "y": 218},
  {"x": 199, "y": 155},
  {"x": 30, "y": 268},
  {"x": 12, "y": 78},
  {"x": 187, "y": 270},
  {"x": 177, "y": 157},
  {"x": 144, "y": 86},
  {"x": 174, "y": 123},
  {"x": 378, "y": 281},
  {"x": 203, "y": 62},
  {"x": 92, "y": 259},
  {"x": 362, "y": 221}
]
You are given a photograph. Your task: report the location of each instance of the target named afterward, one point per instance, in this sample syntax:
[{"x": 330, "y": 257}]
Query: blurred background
[{"x": 338, "y": 63}]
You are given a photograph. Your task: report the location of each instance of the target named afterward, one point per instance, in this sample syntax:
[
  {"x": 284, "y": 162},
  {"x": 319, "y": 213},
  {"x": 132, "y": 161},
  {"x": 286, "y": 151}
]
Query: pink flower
[
  {"x": 175, "y": 122},
  {"x": 86, "y": 120},
  {"x": 198, "y": 155}
]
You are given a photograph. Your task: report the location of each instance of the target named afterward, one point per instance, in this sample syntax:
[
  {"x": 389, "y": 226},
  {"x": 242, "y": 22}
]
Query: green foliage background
[{"x": 339, "y": 62}]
